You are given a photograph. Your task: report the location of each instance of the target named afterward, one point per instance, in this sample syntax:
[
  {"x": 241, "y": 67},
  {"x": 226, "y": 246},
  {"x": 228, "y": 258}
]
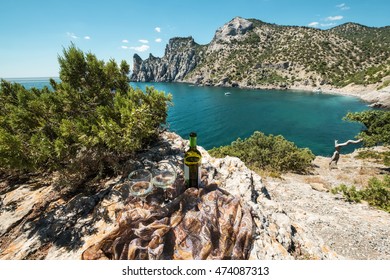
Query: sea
[{"x": 221, "y": 115}]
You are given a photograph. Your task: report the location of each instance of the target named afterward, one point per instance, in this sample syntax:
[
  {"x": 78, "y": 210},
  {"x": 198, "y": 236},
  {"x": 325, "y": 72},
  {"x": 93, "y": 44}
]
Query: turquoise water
[
  {"x": 308, "y": 119},
  {"x": 33, "y": 82}
]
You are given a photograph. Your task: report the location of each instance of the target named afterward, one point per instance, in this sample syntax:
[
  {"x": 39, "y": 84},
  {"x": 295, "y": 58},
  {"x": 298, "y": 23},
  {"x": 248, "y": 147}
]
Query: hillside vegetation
[
  {"x": 270, "y": 54},
  {"x": 252, "y": 53}
]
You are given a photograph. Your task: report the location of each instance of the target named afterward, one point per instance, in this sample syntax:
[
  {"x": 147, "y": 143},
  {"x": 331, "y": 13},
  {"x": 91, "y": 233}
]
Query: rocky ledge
[
  {"x": 353, "y": 230},
  {"x": 37, "y": 222}
]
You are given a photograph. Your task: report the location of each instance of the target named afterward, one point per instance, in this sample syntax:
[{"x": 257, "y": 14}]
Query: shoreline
[
  {"x": 375, "y": 98},
  {"x": 369, "y": 94}
]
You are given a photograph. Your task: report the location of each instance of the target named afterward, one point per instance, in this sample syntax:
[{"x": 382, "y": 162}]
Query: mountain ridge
[{"x": 255, "y": 54}]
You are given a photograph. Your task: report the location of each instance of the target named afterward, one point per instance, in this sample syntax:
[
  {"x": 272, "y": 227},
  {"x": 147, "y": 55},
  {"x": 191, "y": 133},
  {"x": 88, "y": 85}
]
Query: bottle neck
[{"x": 193, "y": 142}]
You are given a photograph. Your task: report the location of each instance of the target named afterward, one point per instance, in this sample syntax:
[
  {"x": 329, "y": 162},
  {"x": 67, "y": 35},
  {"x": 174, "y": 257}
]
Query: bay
[{"x": 308, "y": 119}]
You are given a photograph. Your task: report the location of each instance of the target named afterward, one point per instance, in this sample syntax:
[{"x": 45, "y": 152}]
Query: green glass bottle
[{"x": 192, "y": 162}]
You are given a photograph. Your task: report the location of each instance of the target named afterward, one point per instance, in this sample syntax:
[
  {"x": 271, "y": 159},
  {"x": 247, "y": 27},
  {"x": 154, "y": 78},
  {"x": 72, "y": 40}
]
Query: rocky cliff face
[
  {"x": 181, "y": 56},
  {"x": 232, "y": 31}
]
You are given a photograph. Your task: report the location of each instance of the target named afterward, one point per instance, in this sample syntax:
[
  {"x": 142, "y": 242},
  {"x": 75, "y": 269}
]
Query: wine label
[
  {"x": 186, "y": 173},
  {"x": 199, "y": 176},
  {"x": 192, "y": 175}
]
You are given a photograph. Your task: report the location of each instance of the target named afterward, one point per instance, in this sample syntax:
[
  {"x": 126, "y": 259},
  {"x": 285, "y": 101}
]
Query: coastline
[
  {"x": 368, "y": 93},
  {"x": 376, "y": 98}
]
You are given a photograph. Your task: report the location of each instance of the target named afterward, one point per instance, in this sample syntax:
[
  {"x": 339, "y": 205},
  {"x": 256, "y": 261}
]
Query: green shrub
[
  {"x": 377, "y": 126},
  {"x": 385, "y": 84},
  {"x": 367, "y": 154},
  {"x": 349, "y": 193},
  {"x": 377, "y": 193},
  {"x": 270, "y": 153},
  {"x": 380, "y": 157},
  {"x": 92, "y": 116}
]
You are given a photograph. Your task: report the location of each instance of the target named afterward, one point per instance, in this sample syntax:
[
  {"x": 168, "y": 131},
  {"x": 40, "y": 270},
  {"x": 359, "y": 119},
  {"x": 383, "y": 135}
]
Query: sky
[{"x": 34, "y": 33}]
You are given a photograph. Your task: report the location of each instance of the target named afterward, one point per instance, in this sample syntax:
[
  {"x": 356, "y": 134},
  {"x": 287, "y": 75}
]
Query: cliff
[
  {"x": 251, "y": 53},
  {"x": 282, "y": 220},
  {"x": 181, "y": 56}
]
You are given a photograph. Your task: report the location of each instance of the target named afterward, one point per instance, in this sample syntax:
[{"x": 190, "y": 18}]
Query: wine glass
[
  {"x": 140, "y": 183},
  {"x": 164, "y": 175}
]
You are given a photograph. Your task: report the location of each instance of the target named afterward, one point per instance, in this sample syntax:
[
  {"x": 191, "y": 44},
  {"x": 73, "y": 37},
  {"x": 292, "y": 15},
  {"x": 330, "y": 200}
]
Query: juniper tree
[{"x": 92, "y": 116}]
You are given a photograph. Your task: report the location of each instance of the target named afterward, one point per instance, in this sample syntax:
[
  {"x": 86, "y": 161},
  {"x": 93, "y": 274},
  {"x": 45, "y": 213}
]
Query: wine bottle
[{"x": 192, "y": 162}]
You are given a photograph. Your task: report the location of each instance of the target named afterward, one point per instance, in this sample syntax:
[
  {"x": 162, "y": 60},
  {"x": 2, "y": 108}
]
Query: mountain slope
[{"x": 252, "y": 53}]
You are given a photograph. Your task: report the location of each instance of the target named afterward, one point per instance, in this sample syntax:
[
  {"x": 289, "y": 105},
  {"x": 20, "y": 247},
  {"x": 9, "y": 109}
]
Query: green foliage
[
  {"x": 380, "y": 157},
  {"x": 349, "y": 193},
  {"x": 346, "y": 54},
  {"x": 377, "y": 193},
  {"x": 271, "y": 153},
  {"x": 370, "y": 75},
  {"x": 91, "y": 116},
  {"x": 377, "y": 125},
  {"x": 385, "y": 84}
]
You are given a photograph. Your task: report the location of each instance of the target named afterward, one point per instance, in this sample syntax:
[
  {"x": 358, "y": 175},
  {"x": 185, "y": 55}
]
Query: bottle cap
[{"x": 192, "y": 134}]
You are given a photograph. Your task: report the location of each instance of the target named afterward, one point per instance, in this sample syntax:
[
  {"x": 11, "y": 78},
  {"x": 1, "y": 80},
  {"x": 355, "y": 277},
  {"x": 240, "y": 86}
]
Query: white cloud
[
  {"x": 343, "y": 6},
  {"x": 334, "y": 18},
  {"x": 124, "y": 47},
  {"x": 313, "y": 24},
  {"x": 87, "y": 38},
  {"x": 71, "y": 35},
  {"x": 143, "y": 41},
  {"x": 125, "y": 41},
  {"x": 142, "y": 48},
  {"x": 158, "y": 40},
  {"x": 158, "y": 29}
]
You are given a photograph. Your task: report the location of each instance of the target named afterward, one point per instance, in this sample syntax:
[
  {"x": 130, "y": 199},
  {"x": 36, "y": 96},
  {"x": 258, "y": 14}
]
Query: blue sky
[{"x": 34, "y": 33}]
